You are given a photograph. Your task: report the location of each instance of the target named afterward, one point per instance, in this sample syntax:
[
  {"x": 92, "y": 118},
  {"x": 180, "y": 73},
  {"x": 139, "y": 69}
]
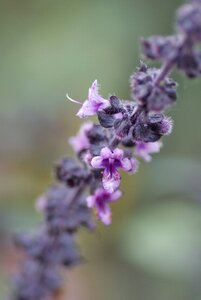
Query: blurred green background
[{"x": 153, "y": 248}]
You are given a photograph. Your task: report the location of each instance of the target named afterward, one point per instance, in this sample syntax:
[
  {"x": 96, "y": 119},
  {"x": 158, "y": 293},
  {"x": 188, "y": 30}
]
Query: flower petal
[
  {"x": 88, "y": 109},
  {"x": 144, "y": 150},
  {"x": 111, "y": 180},
  {"x": 87, "y": 157},
  {"x": 106, "y": 153},
  {"x": 80, "y": 141},
  {"x": 118, "y": 154},
  {"x": 105, "y": 215},
  {"x": 41, "y": 203},
  {"x": 135, "y": 165},
  {"x": 115, "y": 196},
  {"x": 147, "y": 157},
  {"x": 94, "y": 102},
  {"x": 126, "y": 164},
  {"x": 93, "y": 91},
  {"x": 94, "y": 97},
  {"x": 86, "y": 127},
  {"x": 90, "y": 201},
  {"x": 97, "y": 162}
]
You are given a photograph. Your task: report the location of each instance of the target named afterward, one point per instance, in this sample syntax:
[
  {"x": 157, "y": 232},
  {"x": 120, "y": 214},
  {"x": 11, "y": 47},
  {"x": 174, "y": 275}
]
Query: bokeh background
[{"x": 153, "y": 248}]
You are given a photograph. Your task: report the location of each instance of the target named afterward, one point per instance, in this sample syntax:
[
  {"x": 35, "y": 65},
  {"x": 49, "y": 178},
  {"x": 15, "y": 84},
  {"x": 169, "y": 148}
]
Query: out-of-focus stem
[{"x": 165, "y": 70}]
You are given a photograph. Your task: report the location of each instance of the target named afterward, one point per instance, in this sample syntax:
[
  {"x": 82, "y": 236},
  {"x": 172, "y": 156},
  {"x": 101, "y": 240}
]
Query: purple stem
[
  {"x": 165, "y": 70},
  {"x": 114, "y": 143}
]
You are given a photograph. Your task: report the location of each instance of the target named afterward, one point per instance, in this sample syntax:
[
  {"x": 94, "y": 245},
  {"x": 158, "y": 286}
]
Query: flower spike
[{"x": 124, "y": 130}]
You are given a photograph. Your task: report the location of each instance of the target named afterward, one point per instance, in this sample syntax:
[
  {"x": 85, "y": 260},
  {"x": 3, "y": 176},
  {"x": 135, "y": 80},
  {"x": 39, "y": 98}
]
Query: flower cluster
[
  {"x": 53, "y": 245},
  {"x": 126, "y": 130},
  {"x": 130, "y": 129}
]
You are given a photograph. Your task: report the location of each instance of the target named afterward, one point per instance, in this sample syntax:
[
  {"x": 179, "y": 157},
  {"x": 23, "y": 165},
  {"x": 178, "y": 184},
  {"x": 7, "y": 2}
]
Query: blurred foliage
[
  {"x": 153, "y": 248},
  {"x": 165, "y": 240}
]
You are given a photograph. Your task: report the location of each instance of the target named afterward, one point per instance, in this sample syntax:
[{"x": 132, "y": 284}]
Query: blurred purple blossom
[
  {"x": 80, "y": 142},
  {"x": 100, "y": 201},
  {"x": 144, "y": 150}
]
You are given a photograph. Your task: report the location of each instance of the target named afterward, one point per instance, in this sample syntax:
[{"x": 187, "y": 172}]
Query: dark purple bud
[
  {"x": 189, "y": 62},
  {"x": 153, "y": 96},
  {"x": 58, "y": 249},
  {"x": 65, "y": 211},
  {"x": 69, "y": 172},
  {"x": 115, "y": 103},
  {"x": 146, "y": 133},
  {"x": 129, "y": 106},
  {"x": 189, "y": 20},
  {"x": 141, "y": 83},
  {"x": 36, "y": 281},
  {"x": 122, "y": 126},
  {"x": 166, "y": 126},
  {"x": 162, "y": 96},
  {"x": 116, "y": 106},
  {"x": 155, "y": 118},
  {"x": 163, "y": 48},
  {"x": 97, "y": 135},
  {"x": 128, "y": 141},
  {"x": 106, "y": 120},
  {"x": 150, "y": 127},
  {"x": 98, "y": 139}
]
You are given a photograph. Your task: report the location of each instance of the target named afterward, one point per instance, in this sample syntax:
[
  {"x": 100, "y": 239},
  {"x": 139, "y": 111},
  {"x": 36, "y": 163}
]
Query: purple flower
[
  {"x": 144, "y": 150},
  {"x": 110, "y": 161},
  {"x": 80, "y": 142},
  {"x": 94, "y": 102},
  {"x": 99, "y": 201}
]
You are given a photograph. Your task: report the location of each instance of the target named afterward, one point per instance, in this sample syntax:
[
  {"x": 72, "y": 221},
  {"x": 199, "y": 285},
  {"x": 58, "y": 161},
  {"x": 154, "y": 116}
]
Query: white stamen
[{"x": 73, "y": 100}]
